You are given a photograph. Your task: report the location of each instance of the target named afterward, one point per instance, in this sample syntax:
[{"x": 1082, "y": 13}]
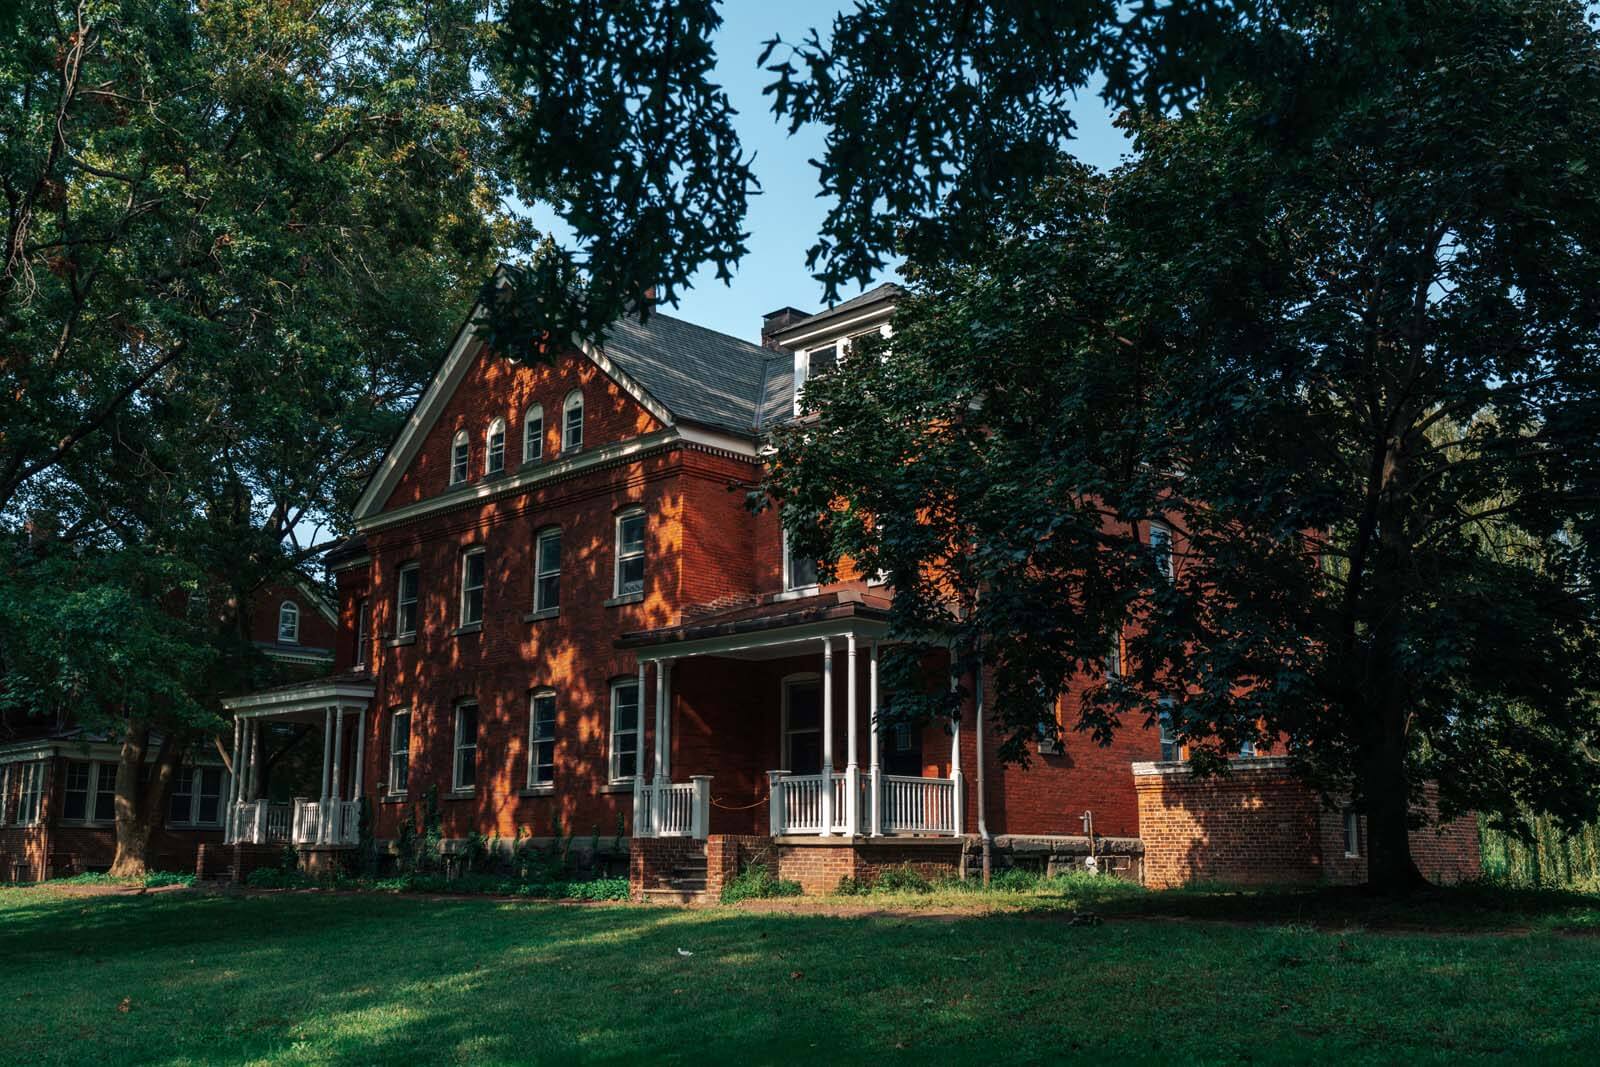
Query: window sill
[
  {"x": 797, "y": 593},
  {"x": 102, "y": 824},
  {"x": 467, "y": 629},
  {"x": 624, "y": 786},
  {"x": 392, "y": 798},
  {"x": 396, "y": 642},
  {"x": 460, "y": 794},
  {"x": 537, "y": 791},
  {"x": 626, "y": 598},
  {"x": 539, "y": 616}
]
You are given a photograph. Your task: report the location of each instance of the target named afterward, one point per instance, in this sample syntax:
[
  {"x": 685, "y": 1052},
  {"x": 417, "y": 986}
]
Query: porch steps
[{"x": 686, "y": 884}]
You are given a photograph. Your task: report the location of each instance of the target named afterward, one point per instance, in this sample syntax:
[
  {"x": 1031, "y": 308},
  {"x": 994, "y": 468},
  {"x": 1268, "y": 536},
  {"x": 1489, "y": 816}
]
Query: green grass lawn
[{"x": 188, "y": 977}]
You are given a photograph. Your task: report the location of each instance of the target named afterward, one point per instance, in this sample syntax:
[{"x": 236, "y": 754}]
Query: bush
[
  {"x": 851, "y": 886},
  {"x": 756, "y": 882},
  {"x": 1017, "y": 880},
  {"x": 901, "y": 880}
]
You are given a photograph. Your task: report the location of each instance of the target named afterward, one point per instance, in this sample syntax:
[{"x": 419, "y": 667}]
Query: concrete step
[{"x": 674, "y": 896}]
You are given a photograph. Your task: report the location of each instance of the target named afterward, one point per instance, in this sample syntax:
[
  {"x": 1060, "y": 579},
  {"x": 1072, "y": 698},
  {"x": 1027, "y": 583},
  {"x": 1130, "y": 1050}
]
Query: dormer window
[
  {"x": 533, "y": 434},
  {"x": 460, "y": 458},
  {"x": 289, "y": 623},
  {"x": 811, "y": 364},
  {"x": 572, "y": 422},
  {"x": 494, "y": 455}
]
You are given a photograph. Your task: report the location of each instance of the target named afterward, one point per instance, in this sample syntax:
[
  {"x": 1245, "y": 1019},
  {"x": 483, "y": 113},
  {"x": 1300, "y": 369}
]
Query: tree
[
  {"x": 1341, "y": 341},
  {"x": 236, "y": 237}
]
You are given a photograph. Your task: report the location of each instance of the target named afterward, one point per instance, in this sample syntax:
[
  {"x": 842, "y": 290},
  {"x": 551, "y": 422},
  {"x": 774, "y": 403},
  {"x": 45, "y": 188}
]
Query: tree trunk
[
  {"x": 1385, "y": 788},
  {"x": 136, "y": 809}
]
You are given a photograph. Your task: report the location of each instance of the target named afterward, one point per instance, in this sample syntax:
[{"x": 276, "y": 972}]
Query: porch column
[
  {"x": 827, "y": 736},
  {"x": 663, "y": 748},
  {"x": 874, "y": 775},
  {"x": 641, "y": 760},
  {"x": 361, "y": 754},
  {"x": 234, "y": 780},
  {"x": 330, "y": 820},
  {"x": 957, "y": 792},
  {"x": 249, "y": 761},
  {"x": 852, "y": 770},
  {"x": 327, "y": 750}
]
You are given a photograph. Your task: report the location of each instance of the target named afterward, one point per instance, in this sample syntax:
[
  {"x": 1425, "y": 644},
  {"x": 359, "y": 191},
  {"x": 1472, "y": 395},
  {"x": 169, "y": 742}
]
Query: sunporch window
[{"x": 30, "y": 790}]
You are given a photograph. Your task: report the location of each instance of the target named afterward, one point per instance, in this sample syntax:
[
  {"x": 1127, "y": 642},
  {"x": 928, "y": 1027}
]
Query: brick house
[
  {"x": 56, "y": 779},
  {"x": 559, "y": 616}
]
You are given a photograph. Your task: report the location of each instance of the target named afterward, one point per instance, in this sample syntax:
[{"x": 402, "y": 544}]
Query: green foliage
[
  {"x": 757, "y": 882},
  {"x": 472, "y": 884},
  {"x": 1542, "y": 854}
]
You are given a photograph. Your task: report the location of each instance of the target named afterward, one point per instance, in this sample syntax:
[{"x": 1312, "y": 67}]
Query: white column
[
  {"x": 361, "y": 753},
  {"x": 827, "y": 736},
  {"x": 666, "y": 719},
  {"x": 327, "y": 750},
  {"x": 658, "y": 792},
  {"x": 250, "y": 729},
  {"x": 330, "y": 817},
  {"x": 958, "y": 793},
  {"x": 852, "y": 770},
  {"x": 875, "y": 781},
  {"x": 234, "y": 779},
  {"x": 641, "y": 761}
]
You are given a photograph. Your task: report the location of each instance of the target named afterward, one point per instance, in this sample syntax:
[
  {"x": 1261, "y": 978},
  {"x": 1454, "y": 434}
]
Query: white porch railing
[
  {"x": 908, "y": 805},
  {"x": 674, "y": 809},
  {"x": 261, "y": 822}
]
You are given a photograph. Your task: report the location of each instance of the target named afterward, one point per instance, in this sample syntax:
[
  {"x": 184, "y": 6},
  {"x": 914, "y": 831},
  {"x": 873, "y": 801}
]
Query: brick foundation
[
  {"x": 1261, "y": 825},
  {"x": 233, "y": 863},
  {"x": 651, "y": 861}
]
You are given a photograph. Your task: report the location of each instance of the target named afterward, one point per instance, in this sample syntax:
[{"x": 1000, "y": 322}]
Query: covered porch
[
  {"x": 329, "y": 820},
  {"x": 783, "y": 682}
]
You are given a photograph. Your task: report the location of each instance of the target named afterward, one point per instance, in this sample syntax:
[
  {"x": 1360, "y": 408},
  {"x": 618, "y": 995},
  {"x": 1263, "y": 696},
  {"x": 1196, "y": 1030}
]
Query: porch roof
[
  {"x": 765, "y": 626},
  {"x": 338, "y": 691}
]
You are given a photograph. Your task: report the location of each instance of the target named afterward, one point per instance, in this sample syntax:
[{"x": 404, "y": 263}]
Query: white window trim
[
  {"x": 533, "y": 720},
  {"x": 457, "y": 747},
  {"x": 395, "y": 714},
  {"x": 95, "y": 788},
  {"x": 1168, "y": 736},
  {"x": 613, "y": 753},
  {"x": 788, "y": 572},
  {"x": 400, "y": 602},
  {"x": 534, "y": 413},
  {"x": 496, "y": 426},
  {"x": 802, "y": 358},
  {"x": 1163, "y": 558},
  {"x": 540, "y": 572},
  {"x": 31, "y": 773},
  {"x": 466, "y": 563},
  {"x": 643, "y": 553},
  {"x": 572, "y": 402},
  {"x": 460, "y": 470},
  {"x": 1352, "y": 832},
  {"x": 363, "y": 630},
  {"x": 191, "y": 823},
  {"x": 1114, "y": 655},
  {"x": 788, "y": 682},
  {"x": 290, "y": 610}
]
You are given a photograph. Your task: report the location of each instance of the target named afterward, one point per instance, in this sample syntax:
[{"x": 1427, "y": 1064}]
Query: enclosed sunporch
[
  {"x": 326, "y": 711},
  {"x": 765, "y": 721}
]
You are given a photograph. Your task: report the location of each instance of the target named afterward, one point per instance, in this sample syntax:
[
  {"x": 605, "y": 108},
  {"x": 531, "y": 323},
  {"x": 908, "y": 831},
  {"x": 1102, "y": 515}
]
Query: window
[
  {"x": 289, "y": 622},
  {"x": 547, "y": 571},
  {"x": 1247, "y": 748},
  {"x": 196, "y": 797},
  {"x": 363, "y": 635},
  {"x": 572, "y": 422},
  {"x": 630, "y": 552},
  {"x": 1048, "y": 736},
  {"x": 811, "y": 365},
  {"x": 31, "y": 777},
  {"x": 466, "y": 749},
  {"x": 1114, "y": 656},
  {"x": 533, "y": 434},
  {"x": 494, "y": 452},
  {"x": 542, "y": 739},
  {"x": 472, "y": 587},
  {"x": 399, "y": 750},
  {"x": 802, "y": 726},
  {"x": 1352, "y": 833},
  {"x": 624, "y": 729},
  {"x": 1161, "y": 549},
  {"x": 75, "y": 799},
  {"x": 1171, "y": 747},
  {"x": 90, "y": 792},
  {"x": 406, "y": 602},
  {"x": 460, "y": 458},
  {"x": 798, "y": 573}
]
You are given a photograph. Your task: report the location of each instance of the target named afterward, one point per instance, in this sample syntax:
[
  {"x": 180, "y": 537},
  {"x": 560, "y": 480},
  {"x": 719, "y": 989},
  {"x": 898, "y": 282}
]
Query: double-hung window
[
  {"x": 624, "y": 761},
  {"x": 89, "y": 792},
  {"x": 196, "y": 797},
  {"x": 1171, "y": 747},
  {"x": 494, "y": 452},
  {"x": 30, "y": 792},
  {"x": 541, "y": 739},
  {"x": 460, "y": 458},
  {"x": 1114, "y": 656},
  {"x": 533, "y": 434},
  {"x": 405, "y": 602},
  {"x": 798, "y": 572},
  {"x": 399, "y": 751},
  {"x": 1161, "y": 549},
  {"x": 1352, "y": 833},
  {"x": 465, "y": 763},
  {"x": 547, "y": 571},
  {"x": 630, "y": 552},
  {"x": 363, "y": 635},
  {"x": 472, "y": 587},
  {"x": 572, "y": 422},
  {"x": 288, "y": 623}
]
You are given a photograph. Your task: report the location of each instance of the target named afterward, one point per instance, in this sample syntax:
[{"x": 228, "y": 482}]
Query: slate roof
[{"x": 698, "y": 374}]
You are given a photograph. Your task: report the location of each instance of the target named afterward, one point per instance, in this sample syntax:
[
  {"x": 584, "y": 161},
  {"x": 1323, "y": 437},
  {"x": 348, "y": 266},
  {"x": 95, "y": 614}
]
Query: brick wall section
[
  {"x": 819, "y": 865},
  {"x": 1262, "y": 826},
  {"x": 728, "y": 854},
  {"x": 651, "y": 861},
  {"x": 234, "y": 863}
]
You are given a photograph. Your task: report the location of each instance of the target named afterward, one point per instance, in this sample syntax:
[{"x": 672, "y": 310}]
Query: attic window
[
  {"x": 460, "y": 458},
  {"x": 289, "y": 622},
  {"x": 572, "y": 422},
  {"x": 494, "y": 456},
  {"x": 533, "y": 434}
]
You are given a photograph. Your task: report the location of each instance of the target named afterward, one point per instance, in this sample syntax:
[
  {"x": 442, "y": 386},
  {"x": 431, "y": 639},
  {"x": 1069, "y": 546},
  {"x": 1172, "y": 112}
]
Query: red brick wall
[
  {"x": 1261, "y": 826},
  {"x": 820, "y": 864},
  {"x": 315, "y": 629}
]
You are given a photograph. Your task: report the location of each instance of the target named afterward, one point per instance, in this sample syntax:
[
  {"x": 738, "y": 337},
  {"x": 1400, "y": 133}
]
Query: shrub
[
  {"x": 851, "y": 886},
  {"x": 904, "y": 879},
  {"x": 756, "y": 882},
  {"x": 1016, "y": 880}
]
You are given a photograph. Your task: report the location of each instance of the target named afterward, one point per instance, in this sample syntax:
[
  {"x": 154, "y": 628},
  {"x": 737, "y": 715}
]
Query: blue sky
[{"x": 784, "y": 218}]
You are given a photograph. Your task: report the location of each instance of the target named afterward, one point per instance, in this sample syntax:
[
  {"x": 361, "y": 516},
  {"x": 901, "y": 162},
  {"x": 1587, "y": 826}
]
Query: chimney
[{"x": 775, "y": 321}]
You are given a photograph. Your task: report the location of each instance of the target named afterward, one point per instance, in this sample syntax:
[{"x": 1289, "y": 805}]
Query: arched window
[
  {"x": 533, "y": 433},
  {"x": 460, "y": 457},
  {"x": 289, "y": 622},
  {"x": 494, "y": 453},
  {"x": 572, "y": 422}
]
